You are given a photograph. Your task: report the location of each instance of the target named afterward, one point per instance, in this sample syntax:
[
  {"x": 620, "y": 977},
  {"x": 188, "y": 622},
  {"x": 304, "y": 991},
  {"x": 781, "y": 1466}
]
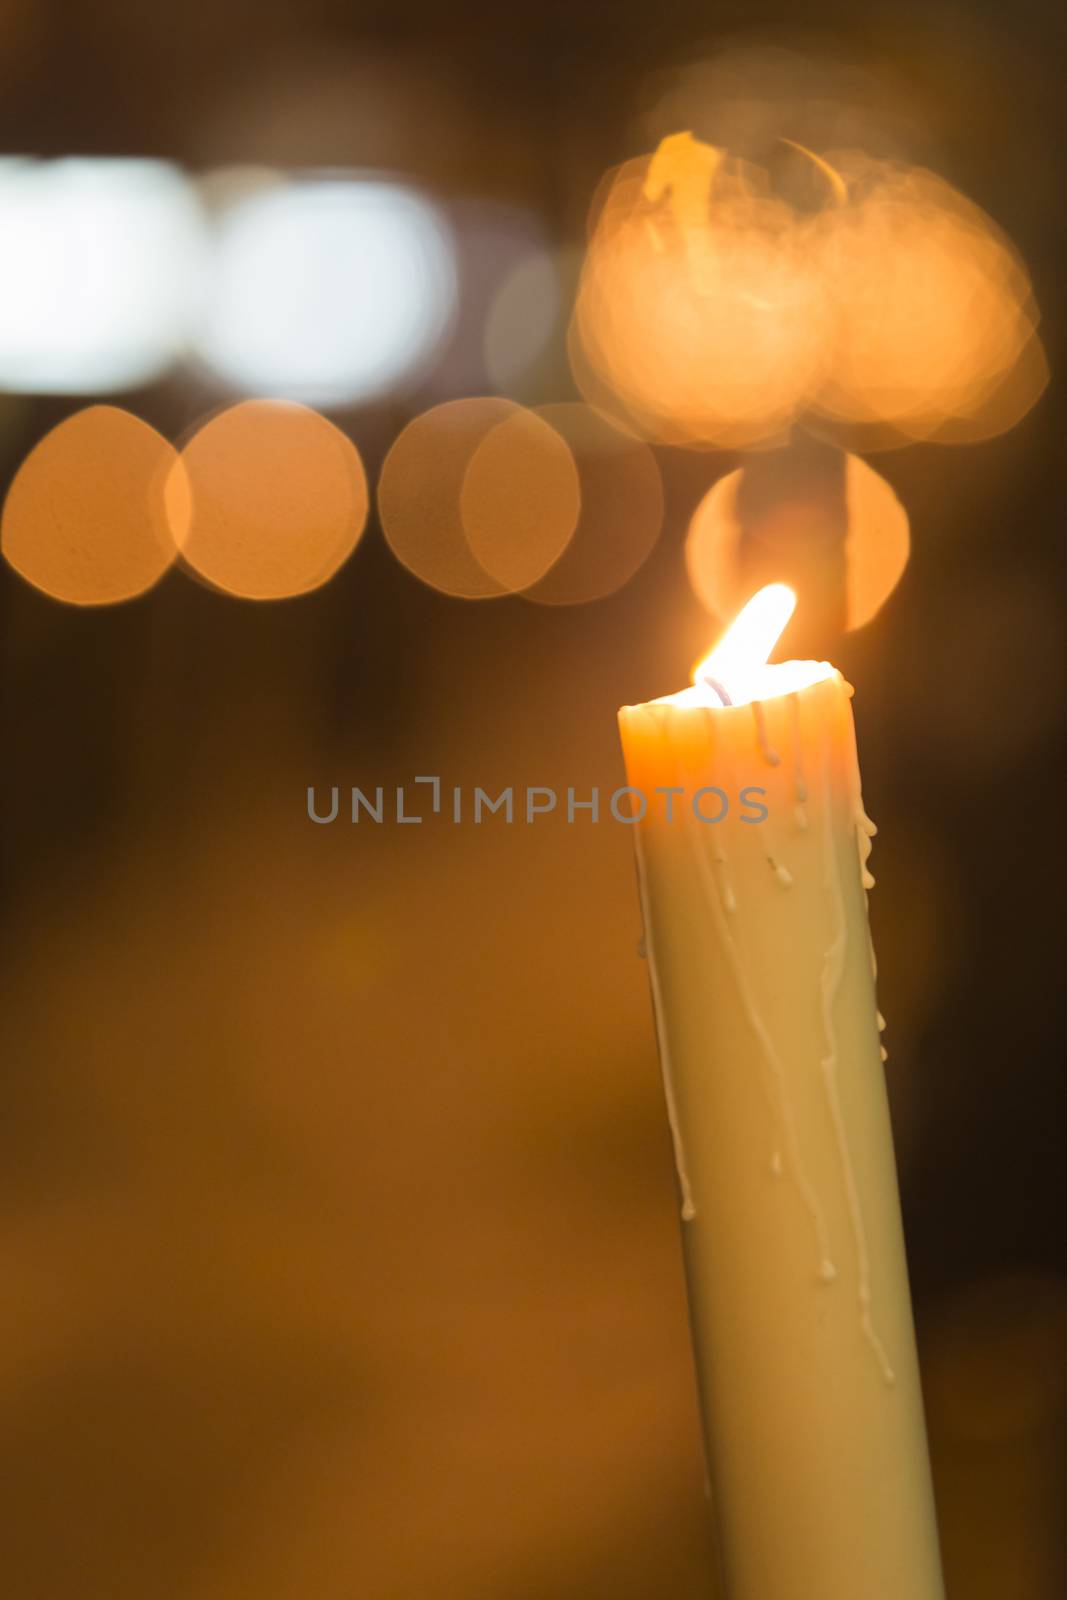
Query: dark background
[{"x": 339, "y": 1248}]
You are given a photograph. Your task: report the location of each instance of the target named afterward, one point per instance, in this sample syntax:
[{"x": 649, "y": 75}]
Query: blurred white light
[
  {"x": 492, "y": 241},
  {"x": 99, "y": 268},
  {"x": 523, "y": 317},
  {"x": 328, "y": 291}
]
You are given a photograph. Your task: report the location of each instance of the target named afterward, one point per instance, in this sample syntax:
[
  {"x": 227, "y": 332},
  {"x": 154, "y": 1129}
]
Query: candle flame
[
  {"x": 751, "y": 636},
  {"x": 737, "y": 671}
]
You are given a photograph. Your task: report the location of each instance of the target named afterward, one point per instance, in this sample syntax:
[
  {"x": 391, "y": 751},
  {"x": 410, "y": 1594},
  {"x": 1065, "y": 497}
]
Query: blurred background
[{"x": 340, "y": 1244}]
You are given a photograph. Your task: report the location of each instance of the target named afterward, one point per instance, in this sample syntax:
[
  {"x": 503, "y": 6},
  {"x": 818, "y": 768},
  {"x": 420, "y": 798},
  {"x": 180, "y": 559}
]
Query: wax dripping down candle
[{"x": 763, "y": 986}]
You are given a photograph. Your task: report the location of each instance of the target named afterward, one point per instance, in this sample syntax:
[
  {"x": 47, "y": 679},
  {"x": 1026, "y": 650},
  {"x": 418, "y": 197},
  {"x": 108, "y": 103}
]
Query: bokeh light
[
  {"x": 85, "y": 518},
  {"x": 621, "y": 508},
  {"x": 877, "y": 543},
  {"x": 496, "y": 245},
  {"x": 420, "y": 489},
  {"x": 329, "y": 291},
  {"x": 702, "y": 334},
  {"x": 713, "y": 312},
  {"x": 341, "y": 1219},
  {"x": 713, "y": 546},
  {"x": 932, "y": 309},
  {"x": 483, "y": 497},
  {"x": 520, "y": 500},
  {"x": 99, "y": 272},
  {"x": 525, "y": 314},
  {"x": 269, "y": 499}
]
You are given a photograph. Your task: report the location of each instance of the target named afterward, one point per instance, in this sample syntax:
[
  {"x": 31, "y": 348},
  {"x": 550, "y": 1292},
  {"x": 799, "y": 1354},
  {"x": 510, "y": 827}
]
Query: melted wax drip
[
  {"x": 833, "y": 970},
  {"x": 779, "y": 1096}
]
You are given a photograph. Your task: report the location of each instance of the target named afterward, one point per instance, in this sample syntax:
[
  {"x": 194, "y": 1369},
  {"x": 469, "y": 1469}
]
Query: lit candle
[{"x": 752, "y": 858}]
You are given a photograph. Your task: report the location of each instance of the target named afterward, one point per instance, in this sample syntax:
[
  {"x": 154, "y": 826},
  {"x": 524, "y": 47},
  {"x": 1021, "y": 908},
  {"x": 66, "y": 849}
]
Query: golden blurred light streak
[
  {"x": 85, "y": 517},
  {"x": 838, "y": 186},
  {"x": 713, "y": 312},
  {"x": 876, "y": 549},
  {"x": 621, "y": 511},
  {"x": 519, "y": 500},
  {"x": 269, "y": 500}
]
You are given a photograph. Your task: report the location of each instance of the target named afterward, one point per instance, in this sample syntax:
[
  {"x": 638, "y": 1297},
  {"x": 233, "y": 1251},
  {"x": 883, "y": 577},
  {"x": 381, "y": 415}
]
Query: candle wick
[{"x": 719, "y": 690}]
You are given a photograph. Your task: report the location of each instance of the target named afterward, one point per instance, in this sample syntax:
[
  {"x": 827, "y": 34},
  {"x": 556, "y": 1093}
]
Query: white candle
[{"x": 763, "y": 983}]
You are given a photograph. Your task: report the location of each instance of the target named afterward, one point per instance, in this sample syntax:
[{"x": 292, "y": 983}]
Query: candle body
[{"x": 763, "y": 984}]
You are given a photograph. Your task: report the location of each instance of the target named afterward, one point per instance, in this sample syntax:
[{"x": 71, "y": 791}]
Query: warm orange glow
[
  {"x": 698, "y": 312},
  {"x": 751, "y": 636},
  {"x": 737, "y": 670},
  {"x": 935, "y": 328},
  {"x": 270, "y": 501},
  {"x": 621, "y": 510},
  {"x": 420, "y": 490},
  {"x": 483, "y": 497},
  {"x": 713, "y": 312},
  {"x": 520, "y": 500},
  {"x": 876, "y": 546},
  {"x": 84, "y": 519}
]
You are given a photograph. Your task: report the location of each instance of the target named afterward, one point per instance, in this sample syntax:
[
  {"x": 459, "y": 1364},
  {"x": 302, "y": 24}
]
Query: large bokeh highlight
[
  {"x": 713, "y": 312},
  {"x": 85, "y": 518},
  {"x": 268, "y": 501}
]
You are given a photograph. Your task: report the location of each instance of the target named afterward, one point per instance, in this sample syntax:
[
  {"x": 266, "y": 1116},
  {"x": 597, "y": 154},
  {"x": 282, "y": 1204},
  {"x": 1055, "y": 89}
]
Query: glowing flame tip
[
  {"x": 737, "y": 671},
  {"x": 750, "y": 638}
]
